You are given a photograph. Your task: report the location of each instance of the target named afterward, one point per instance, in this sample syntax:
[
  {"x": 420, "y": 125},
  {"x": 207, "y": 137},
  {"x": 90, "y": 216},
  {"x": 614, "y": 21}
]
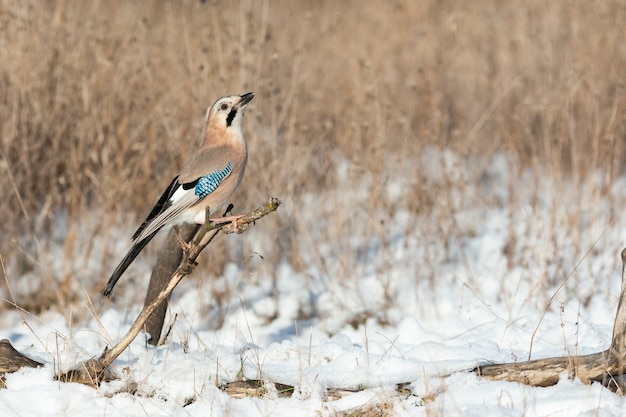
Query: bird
[{"x": 208, "y": 179}]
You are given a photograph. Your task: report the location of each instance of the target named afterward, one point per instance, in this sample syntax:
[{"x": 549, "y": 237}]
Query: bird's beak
[{"x": 245, "y": 99}]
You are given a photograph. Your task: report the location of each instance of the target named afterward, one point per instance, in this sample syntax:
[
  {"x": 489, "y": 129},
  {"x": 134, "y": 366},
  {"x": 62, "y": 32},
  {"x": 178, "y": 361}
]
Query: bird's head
[{"x": 227, "y": 112}]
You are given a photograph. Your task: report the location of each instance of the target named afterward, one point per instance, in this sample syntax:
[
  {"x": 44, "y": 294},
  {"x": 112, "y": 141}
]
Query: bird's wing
[
  {"x": 181, "y": 200},
  {"x": 199, "y": 177},
  {"x": 174, "y": 200},
  {"x": 207, "y": 159},
  {"x": 160, "y": 206}
]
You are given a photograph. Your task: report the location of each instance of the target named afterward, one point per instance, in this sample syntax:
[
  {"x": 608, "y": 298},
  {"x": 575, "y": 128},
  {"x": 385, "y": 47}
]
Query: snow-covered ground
[{"x": 369, "y": 307}]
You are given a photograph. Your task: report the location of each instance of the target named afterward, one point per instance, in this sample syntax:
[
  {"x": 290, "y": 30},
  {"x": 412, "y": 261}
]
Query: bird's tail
[{"x": 128, "y": 259}]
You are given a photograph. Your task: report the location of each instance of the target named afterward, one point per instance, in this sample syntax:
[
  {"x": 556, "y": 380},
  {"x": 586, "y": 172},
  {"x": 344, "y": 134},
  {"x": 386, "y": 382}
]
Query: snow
[{"x": 416, "y": 303}]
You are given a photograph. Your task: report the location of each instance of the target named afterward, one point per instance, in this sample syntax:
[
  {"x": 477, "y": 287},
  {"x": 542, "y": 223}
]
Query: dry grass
[{"x": 101, "y": 102}]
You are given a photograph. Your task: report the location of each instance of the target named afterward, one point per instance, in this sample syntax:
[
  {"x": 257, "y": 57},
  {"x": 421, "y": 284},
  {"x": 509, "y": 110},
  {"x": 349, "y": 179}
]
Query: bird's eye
[{"x": 224, "y": 106}]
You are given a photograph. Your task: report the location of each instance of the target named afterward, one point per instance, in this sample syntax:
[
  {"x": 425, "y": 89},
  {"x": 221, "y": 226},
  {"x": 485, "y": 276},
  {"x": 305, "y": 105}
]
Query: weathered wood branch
[
  {"x": 201, "y": 240},
  {"x": 604, "y": 366}
]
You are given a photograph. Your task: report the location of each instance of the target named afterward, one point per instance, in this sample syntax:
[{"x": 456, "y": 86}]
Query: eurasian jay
[{"x": 209, "y": 178}]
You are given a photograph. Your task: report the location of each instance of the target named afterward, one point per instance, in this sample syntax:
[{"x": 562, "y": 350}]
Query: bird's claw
[{"x": 230, "y": 219}]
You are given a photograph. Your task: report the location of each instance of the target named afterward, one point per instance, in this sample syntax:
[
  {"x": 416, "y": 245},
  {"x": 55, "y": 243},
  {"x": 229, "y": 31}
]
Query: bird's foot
[{"x": 227, "y": 219}]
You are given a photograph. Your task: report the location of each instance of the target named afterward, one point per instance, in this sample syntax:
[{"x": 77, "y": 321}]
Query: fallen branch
[
  {"x": 11, "y": 360},
  {"x": 604, "y": 366}
]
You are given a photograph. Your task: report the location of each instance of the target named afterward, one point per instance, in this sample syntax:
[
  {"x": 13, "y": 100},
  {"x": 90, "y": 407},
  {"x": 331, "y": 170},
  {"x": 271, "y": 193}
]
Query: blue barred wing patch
[{"x": 209, "y": 183}]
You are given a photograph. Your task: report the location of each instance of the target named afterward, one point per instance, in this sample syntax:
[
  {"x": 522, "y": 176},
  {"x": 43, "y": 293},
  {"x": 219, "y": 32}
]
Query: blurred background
[{"x": 366, "y": 114}]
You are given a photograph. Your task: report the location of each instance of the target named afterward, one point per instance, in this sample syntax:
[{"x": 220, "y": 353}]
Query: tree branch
[{"x": 188, "y": 264}]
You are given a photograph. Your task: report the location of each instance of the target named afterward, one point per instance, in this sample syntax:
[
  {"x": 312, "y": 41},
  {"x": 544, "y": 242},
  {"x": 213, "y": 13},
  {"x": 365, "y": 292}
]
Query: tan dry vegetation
[{"x": 101, "y": 102}]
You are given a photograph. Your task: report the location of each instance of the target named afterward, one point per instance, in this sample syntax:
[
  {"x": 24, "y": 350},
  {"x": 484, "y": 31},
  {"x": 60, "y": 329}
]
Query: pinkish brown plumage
[{"x": 208, "y": 179}]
